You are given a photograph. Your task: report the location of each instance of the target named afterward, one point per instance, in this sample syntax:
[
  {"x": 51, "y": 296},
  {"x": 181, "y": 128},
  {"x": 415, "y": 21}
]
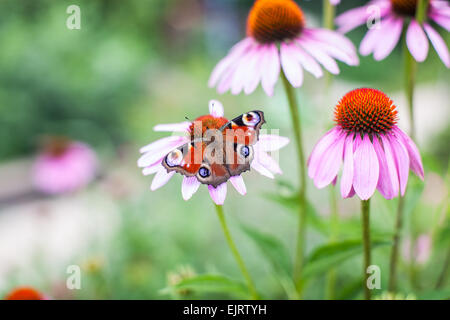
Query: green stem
[
  {"x": 301, "y": 233},
  {"x": 395, "y": 247},
  {"x": 328, "y": 14},
  {"x": 365, "y": 211},
  {"x": 237, "y": 256},
  {"x": 334, "y": 220},
  {"x": 443, "y": 276}
]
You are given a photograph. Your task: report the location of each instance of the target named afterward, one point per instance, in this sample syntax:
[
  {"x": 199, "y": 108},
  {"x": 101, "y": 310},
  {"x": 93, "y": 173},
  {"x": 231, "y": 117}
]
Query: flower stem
[
  {"x": 328, "y": 14},
  {"x": 395, "y": 247},
  {"x": 301, "y": 233},
  {"x": 365, "y": 211},
  {"x": 237, "y": 256},
  {"x": 334, "y": 222}
]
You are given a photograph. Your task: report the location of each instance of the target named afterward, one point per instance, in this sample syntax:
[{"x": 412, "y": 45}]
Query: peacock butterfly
[{"x": 218, "y": 148}]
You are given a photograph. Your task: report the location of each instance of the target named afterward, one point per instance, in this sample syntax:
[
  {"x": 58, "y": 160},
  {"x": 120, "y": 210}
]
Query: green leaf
[
  {"x": 435, "y": 295},
  {"x": 272, "y": 248},
  {"x": 210, "y": 283},
  {"x": 331, "y": 255}
]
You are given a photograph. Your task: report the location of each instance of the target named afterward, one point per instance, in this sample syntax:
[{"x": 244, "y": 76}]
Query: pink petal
[
  {"x": 391, "y": 30},
  {"x": 229, "y": 60},
  {"x": 174, "y": 127},
  {"x": 351, "y": 19},
  {"x": 438, "y": 44},
  {"x": 161, "y": 178},
  {"x": 333, "y": 38},
  {"x": 390, "y": 162},
  {"x": 417, "y": 41},
  {"x": 370, "y": 41},
  {"x": 271, "y": 71},
  {"x": 413, "y": 153},
  {"x": 335, "y": 2},
  {"x": 401, "y": 161},
  {"x": 324, "y": 143},
  {"x": 159, "y": 149},
  {"x": 320, "y": 55},
  {"x": 244, "y": 71},
  {"x": 291, "y": 67},
  {"x": 216, "y": 109},
  {"x": 218, "y": 194},
  {"x": 330, "y": 163},
  {"x": 347, "y": 171},
  {"x": 384, "y": 182},
  {"x": 307, "y": 62},
  {"x": 255, "y": 70},
  {"x": 441, "y": 20},
  {"x": 261, "y": 169},
  {"x": 152, "y": 168},
  {"x": 367, "y": 169},
  {"x": 189, "y": 187},
  {"x": 238, "y": 184},
  {"x": 267, "y": 162},
  {"x": 271, "y": 142}
]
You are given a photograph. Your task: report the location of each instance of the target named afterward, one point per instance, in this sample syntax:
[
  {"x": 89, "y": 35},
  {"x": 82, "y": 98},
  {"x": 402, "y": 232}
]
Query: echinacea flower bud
[{"x": 375, "y": 152}]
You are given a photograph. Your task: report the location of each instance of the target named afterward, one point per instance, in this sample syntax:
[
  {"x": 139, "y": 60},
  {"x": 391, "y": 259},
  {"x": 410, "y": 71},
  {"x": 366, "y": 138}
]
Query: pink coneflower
[
  {"x": 156, "y": 152},
  {"x": 375, "y": 152},
  {"x": 25, "y": 293},
  {"x": 421, "y": 250},
  {"x": 278, "y": 38},
  {"x": 64, "y": 166},
  {"x": 382, "y": 40}
]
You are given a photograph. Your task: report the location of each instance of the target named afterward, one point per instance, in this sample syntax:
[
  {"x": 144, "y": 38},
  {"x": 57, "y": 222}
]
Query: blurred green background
[{"x": 137, "y": 63}]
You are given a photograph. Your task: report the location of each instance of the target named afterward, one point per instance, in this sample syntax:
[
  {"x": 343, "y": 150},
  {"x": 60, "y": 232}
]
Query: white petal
[
  {"x": 218, "y": 194},
  {"x": 239, "y": 184},
  {"x": 161, "y": 178},
  {"x": 216, "y": 109},
  {"x": 271, "y": 142},
  {"x": 189, "y": 187},
  {"x": 174, "y": 127}
]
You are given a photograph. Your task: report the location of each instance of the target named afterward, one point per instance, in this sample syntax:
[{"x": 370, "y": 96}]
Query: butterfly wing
[
  {"x": 241, "y": 134},
  {"x": 193, "y": 159}
]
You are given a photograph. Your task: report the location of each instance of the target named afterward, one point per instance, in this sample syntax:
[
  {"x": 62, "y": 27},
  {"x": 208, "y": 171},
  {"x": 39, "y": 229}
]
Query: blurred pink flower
[
  {"x": 335, "y": 2},
  {"x": 64, "y": 166},
  {"x": 277, "y": 38},
  {"x": 394, "y": 13},
  {"x": 154, "y": 153},
  {"x": 421, "y": 250},
  {"x": 375, "y": 152}
]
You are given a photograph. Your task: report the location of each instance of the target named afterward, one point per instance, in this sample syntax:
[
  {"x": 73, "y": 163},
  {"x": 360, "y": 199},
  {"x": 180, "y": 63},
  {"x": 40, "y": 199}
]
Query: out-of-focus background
[{"x": 137, "y": 63}]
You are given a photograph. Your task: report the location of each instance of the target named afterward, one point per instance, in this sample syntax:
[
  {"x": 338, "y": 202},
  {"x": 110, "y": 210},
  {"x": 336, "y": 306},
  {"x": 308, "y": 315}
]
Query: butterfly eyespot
[
  {"x": 204, "y": 172},
  {"x": 251, "y": 118},
  {"x": 245, "y": 151},
  {"x": 174, "y": 158}
]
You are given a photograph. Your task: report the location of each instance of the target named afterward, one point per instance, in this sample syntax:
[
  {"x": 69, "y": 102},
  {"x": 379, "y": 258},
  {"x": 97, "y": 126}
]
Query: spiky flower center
[
  {"x": 366, "y": 111},
  {"x": 404, "y": 7},
  {"x": 271, "y": 21}
]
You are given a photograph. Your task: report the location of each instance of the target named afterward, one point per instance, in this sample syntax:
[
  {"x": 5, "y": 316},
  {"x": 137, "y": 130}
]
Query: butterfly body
[{"x": 218, "y": 148}]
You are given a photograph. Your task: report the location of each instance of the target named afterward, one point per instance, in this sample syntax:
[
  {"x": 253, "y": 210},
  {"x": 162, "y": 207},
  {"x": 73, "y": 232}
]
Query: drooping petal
[
  {"x": 243, "y": 72},
  {"x": 271, "y": 69},
  {"x": 438, "y": 44},
  {"x": 369, "y": 42},
  {"x": 307, "y": 62},
  {"x": 391, "y": 30},
  {"x": 367, "y": 169},
  {"x": 161, "y": 178},
  {"x": 351, "y": 19},
  {"x": 255, "y": 70},
  {"x": 347, "y": 171},
  {"x": 333, "y": 38},
  {"x": 239, "y": 184},
  {"x": 441, "y": 20},
  {"x": 173, "y": 127},
  {"x": 229, "y": 60},
  {"x": 415, "y": 161},
  {"x": 316, "y": 155},
  {"x": 401, "y": 161},
  {"x": 417, "y": 41},
  {"x": 216, "y": 109},
  {"x": 271, "y": 142},
  {"x": 218, "y": 194},
  {"x": 321, "y": 56},
  {"x": 330, "y": 163},
  {"x": 189, "y": 186},
  {"x": 291, "y": 67},
  {"x": 152, "y": 168},
  {"x": 391, "y": 164},
  {"x": 384, "y": 181}
]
